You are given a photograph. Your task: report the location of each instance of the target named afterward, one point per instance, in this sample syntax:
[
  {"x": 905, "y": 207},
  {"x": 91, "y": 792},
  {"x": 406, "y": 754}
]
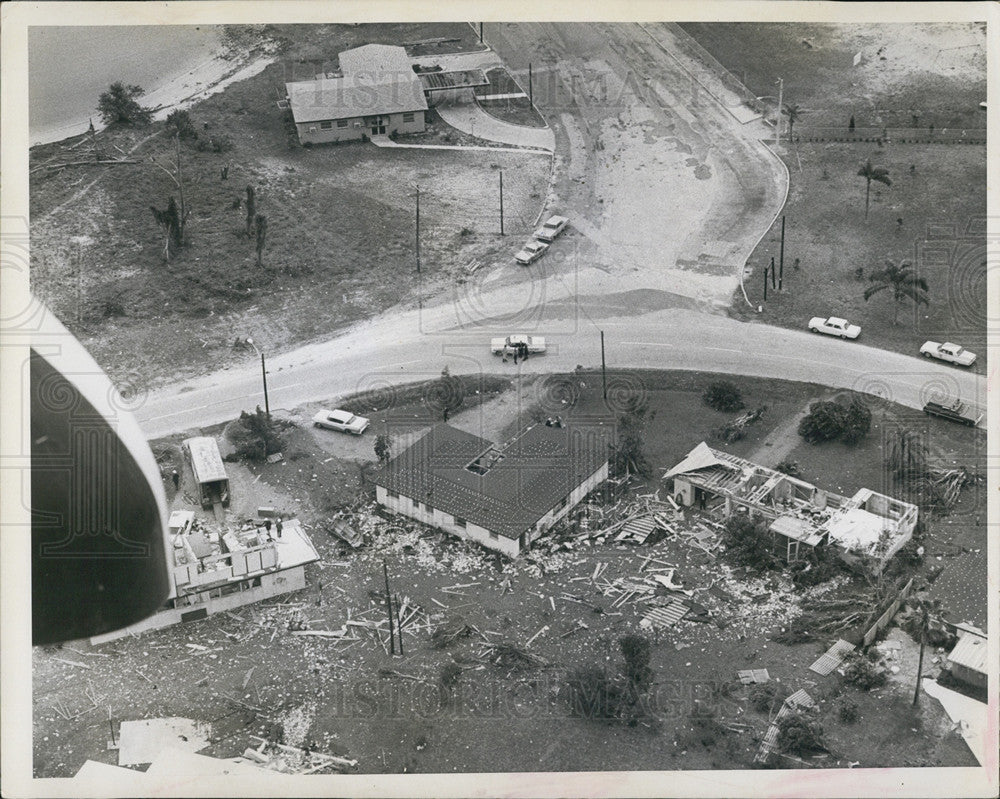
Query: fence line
[
  {"x": 886, "y": 617},
  {"x": 890, "y": 135}
]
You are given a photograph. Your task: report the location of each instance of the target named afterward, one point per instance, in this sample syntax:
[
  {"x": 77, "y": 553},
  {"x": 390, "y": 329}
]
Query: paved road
[
  {"x": 465, "y": 114},
  {"x": 417, "y": 345}
]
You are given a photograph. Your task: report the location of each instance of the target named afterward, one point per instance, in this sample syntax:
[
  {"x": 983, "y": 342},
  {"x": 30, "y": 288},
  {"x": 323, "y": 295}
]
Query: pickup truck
[{"x": 956, "y": 411}]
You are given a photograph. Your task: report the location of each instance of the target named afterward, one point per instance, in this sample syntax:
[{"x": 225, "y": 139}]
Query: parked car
[
  {"x": 956, "y": 411},
  {"x": 834, "y": 326},
  {"x": 501, "y": 346},
  {"x": 552, "y": 228},
  {"x": 531, "y": 252},
  {"x": 948, "y": 352},
  {"x": 342, "y": 421}
]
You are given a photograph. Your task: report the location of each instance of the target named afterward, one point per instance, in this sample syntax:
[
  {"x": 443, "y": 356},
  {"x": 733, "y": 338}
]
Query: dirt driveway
[{"x": 663, "y": 183}]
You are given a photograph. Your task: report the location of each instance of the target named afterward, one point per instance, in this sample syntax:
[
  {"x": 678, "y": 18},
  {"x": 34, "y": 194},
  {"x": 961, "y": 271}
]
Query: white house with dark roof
[
  {"x": 503, "y": 497},
  {"x": 377, "y": 93}
]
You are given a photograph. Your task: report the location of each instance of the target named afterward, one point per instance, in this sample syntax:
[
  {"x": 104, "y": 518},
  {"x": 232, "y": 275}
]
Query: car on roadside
[
  {"x": 341, "y": 421},
  {"x": 553, "y": 226},
  {"x": 531, "y": 252},
  {"x": 834, "y": 326},
  {"x": 952, "y": 353},
  {"x": 956, "y": 411},
  {"x": 508, "y": 345}
]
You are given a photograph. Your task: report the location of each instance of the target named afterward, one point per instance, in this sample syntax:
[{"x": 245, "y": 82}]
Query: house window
[
  {"x": 493, "y": 535},
  {"x": 460, "y": 522},
  {"x": 325, "y": 125},
  {"x": 341, "y": 123},
  {"x": 391, "y": 494},
  {"x": 407, "y": 117},
  {"x": 430, "y": 509},
  {"x": 562, "y": 503}
]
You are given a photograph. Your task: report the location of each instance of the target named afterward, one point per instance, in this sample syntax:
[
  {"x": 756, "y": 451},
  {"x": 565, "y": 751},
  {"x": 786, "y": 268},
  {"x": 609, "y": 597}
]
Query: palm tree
[
  {"x": 870, "y": 173},
  {"x": 903, "y": 281},
  {"x": 926, "y": 608},
  {"x": 793, "y": 112},
  {"x": 906, "y": 455}
]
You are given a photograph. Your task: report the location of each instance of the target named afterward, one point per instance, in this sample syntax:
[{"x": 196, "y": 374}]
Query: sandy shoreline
[{"x": 181, "y": 91}]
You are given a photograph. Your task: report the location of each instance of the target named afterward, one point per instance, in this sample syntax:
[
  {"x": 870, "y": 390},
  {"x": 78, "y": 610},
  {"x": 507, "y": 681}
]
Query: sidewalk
[
  {"x": 385, "y": 141},
  {"x": 468, "y": 117}
]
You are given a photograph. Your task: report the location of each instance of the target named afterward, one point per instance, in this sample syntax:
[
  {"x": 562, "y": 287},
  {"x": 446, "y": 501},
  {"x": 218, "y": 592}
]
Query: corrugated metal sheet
[
  {"x": 665, "y": 617},
  {"x": 748, "y": 676},
  {"x": 800, "y": 700},
  {"x": 970, "y": 652},
  {"x": 206, "y": 462},
  {"x": 832, "y": 658}
]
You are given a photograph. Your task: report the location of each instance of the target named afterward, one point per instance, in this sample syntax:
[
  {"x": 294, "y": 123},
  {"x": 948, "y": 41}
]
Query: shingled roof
[
  {"x": 962, "y": 589},
  {"x": 520, "y": 482}
]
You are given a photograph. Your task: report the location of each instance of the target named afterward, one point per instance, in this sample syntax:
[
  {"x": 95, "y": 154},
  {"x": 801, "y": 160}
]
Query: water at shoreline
[{"x": 69, "y": 67}]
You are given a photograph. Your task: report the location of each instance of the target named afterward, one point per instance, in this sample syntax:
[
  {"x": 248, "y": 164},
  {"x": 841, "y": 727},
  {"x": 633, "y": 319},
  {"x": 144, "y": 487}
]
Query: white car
[
  {"x": 552, "y": 228},
  {"x": 948, "y": 352},
  {"x": 501, "y": 346},
  {"x": 834, "y": 326},
  {"x": 342, "y": 421},
  {"x": 531, "y": 252}
]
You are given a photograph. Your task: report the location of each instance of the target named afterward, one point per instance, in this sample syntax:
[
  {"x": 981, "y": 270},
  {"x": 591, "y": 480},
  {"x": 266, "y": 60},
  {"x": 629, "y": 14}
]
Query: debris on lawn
[
  {"x": 288, "y": 759},
  {"x": 139, "y": 742},
  {"x": 832, "y": 658},
  {"x": 752, "y": 676}
]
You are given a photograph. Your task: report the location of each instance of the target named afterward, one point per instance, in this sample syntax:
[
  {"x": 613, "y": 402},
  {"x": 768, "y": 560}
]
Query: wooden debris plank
[{"x": 750, "y": 676}]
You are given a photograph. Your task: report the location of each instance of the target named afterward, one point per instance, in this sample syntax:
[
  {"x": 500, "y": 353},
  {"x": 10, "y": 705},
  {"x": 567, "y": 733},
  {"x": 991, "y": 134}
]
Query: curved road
[{"x": 626, "y": 141}]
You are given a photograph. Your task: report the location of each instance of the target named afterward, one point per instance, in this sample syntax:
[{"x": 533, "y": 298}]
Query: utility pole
[
  {"x": 781, "y": 259},
  {"x": 263, "y": 374},
  {"x": 388, "y": 607},
  {"x": 418, "y": 230},
  {"x": 604, "y": 374},
  {"x": 531, "y": 96},
  {"x": 781, "y": 89},
  {"x": 501, "y": 202},
  {"x": 480, "y": 32}
]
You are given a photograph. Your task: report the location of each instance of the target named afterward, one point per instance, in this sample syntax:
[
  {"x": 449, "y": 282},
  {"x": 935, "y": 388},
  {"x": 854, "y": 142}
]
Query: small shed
[
  {"x": 967, "y": 661},
  {"x": 794, "y": 532}
]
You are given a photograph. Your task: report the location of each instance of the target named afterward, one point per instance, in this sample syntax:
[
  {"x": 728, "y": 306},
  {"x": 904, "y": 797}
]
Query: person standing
[
  {"x": 176, "y": 477},
  {"x": 277, "y": 526}
]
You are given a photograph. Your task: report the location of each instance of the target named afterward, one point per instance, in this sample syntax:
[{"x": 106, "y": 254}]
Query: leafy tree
[
  {"x": 926, "y": 608},
  {"x": 748, "y": 542},
  {"x": 254, "y": 435},
  {"x": 261, "y": 237},
  {"x": 902, "y": 281},
  {"x": 723, "y": 396},
  {"x": 251, "y": 210},
  {"x": 383, "y": 447},
  {"x": 857, "y": 421},
  {"x": 180, "y": 121},
  {"x": 628, "y": 456},
  {"x": 445, "y": 395},
  {"x": 793, "y": 112},
  {"x": 870, "y": 173},
  {"x": 824, "y": 422},
  {"x": 861, "y": 672},
  {"x": 848, "y": 710},
  {"x": 119, "y": 106}
]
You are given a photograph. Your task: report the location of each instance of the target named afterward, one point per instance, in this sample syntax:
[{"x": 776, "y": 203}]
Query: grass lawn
[
  {"x": 339, "y": 238},
  {"x": 942, "y": 204},
  {"x": 934, "y": 71},
  {"x": 516, "y": 110},
  {"x": 389, "y": 713}
]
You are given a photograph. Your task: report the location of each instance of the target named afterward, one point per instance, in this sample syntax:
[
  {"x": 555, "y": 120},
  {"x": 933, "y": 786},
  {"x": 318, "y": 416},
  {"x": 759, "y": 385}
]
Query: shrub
[
  {"x": 636, "y": 651},
  {"x": 823, "y": 564},
  {"x": 254, "y": 436},
  {"x": 857, "y": 421},
  {"x": 451, "y": 673},
  {"x": 723, "y": 396},
  {"x": 831, "y": 421},
  {"x": 799, "y": 735},
  {"x": 215, "y": 144},
  {"x": 861, "y": 672},
  {"x": 119, "y": 106},
  {"x": 848, "y": 711},
  {"x": 748, "y": 542},
  {"x": 789, "y": 467},
  {"x": 762, "y": 696},
  {"x": 180, "y": 121}
]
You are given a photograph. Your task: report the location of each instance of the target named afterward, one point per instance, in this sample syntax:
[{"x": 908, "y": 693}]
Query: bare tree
[
  {"x": 177, "y": 177},
  {"x": 261, "y": 237}
]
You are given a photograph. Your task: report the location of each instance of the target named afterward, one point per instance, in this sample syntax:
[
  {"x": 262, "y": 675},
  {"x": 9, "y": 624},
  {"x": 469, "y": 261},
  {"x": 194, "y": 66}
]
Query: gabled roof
[
  {"x": 962, "y": 589},
  {"x": 701, "y": 457},
  {"x": 528, "y": 476},
  {"x": 377, "y": 79},
  {"x": 970, "y": 651}
]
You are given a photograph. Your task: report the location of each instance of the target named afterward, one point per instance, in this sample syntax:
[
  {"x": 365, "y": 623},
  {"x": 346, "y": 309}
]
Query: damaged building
[
  {"x": 501, "y": 496},
  {"x": 217, "y": 570},
  {"x": 802, "y": 516}
]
